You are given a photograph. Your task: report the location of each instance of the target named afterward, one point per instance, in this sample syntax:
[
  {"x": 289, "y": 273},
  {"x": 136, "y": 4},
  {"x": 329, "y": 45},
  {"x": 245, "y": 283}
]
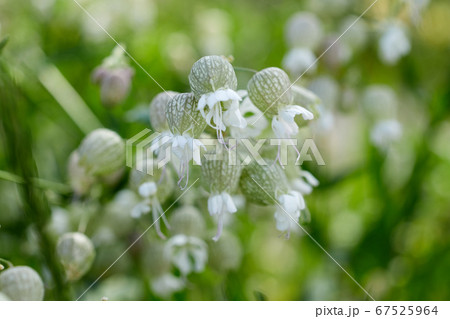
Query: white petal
[
  {"x": 233, "y": 117},
  {"x": 182, "y": 261},
  {"x": 283, "y": 222},
  {"x": 228, "y": 203},
  {"x": 295, "y": 109},
  {"x": 242, "y": 93},
  {"x": 202, "y": 102},
  {"x": 221, "y": 95},
  {"x": 232, "y": 95},
  {"x": 284, "y": 129},
  {"x": 300, "y": 200},
  {"x": 302, "y": 186},
  {"x": 289, "y": 203},
  {"x": 310, "y": 178},
  {"x": 211, "y": 100},
  {"x": 215, "y": 204}
]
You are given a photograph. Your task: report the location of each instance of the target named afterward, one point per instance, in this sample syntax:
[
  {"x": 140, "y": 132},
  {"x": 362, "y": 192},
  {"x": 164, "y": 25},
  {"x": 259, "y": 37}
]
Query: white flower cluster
[{"x": 215, "y": 110}]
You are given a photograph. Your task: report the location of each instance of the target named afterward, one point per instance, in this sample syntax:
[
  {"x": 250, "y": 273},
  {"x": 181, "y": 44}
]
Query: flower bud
[
  {"x": 183, "y": 117},
  {"x": 76, "y": 253},
  {"x": 187, "y": 220},
  {"x": 102, "y": 152},
  {"x": 114, "y": 77},
  {"x": 21, "y": 283},
  {"x": 226, "y": 254},
  {"x": 210, "y": 74},
  {"x": 115, "y": 84},
  {"x": 269, "y": 89},
  {"x": 263, "y": 183},
  {"x": 158, "y": 110}
]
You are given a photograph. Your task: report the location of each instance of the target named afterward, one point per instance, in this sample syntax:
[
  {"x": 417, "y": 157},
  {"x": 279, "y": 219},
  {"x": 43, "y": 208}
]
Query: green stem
[
  {"x": 6, "y": 262},
  {"x": 18, "y": 150}
]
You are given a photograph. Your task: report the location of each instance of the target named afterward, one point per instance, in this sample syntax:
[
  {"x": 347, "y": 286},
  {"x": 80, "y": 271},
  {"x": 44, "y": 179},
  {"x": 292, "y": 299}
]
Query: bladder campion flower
[
  {"x": 214, "y": 84},
  {"x": 270, "y": 91}
]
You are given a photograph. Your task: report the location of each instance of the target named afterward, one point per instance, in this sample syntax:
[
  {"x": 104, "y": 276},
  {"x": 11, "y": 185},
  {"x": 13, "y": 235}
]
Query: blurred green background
[{"x": 383, "y": 214}]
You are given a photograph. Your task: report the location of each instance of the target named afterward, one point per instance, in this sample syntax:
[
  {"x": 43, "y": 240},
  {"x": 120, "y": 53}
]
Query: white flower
[
  {"x": 216, "y": 117},
  {"x": 299, "y": 60},
  {"x": 218, "y": 205},
  {"x": 166, "y": 285},
  {"x": 283, "y": 124},
  {"x": 183, "y": 147},
  {"x": 256, "y": 122},
  {"x": 150, "y": 203},
  {"x": 188, "y": 254},
  {"x": 305, "y": 183},
  {"x": 385, "y": 132},
  {"x": 393, "y": 44},
  {"x": 288, "y": 214}
]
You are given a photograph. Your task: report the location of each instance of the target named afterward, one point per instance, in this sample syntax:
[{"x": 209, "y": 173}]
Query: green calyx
[
  {"x": 211, "y": 73},
  {"x": 263, "y": 184},
  {"x": 102, "y": 152},
  {"x": 269, "y": 89},
  {"x": 183, "y": 117},
  {"x": 221, "y": 172}
]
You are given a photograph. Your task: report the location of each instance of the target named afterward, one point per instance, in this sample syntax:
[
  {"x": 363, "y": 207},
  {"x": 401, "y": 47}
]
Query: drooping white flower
[
  {"x": 213, "y": 81},
  {"x": 393, "y": 44},
  {"x": 287, "y": 216},
  {"x": 283, "y": 124},
  {"x": 219, "y": 205},
  {"x": 188, "y": 254},
  {"x": 305, "y": 183},
  {"x": 385, "y": 132},
  {"x": 185, "y": 124},
  {"x": 270, "y": 91},
  {"x": 221, "y": 175},
  {"x": 150, "y": 203},
  {"x": 216, "y": 117},
  {"x": 166, "y": 285}
]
